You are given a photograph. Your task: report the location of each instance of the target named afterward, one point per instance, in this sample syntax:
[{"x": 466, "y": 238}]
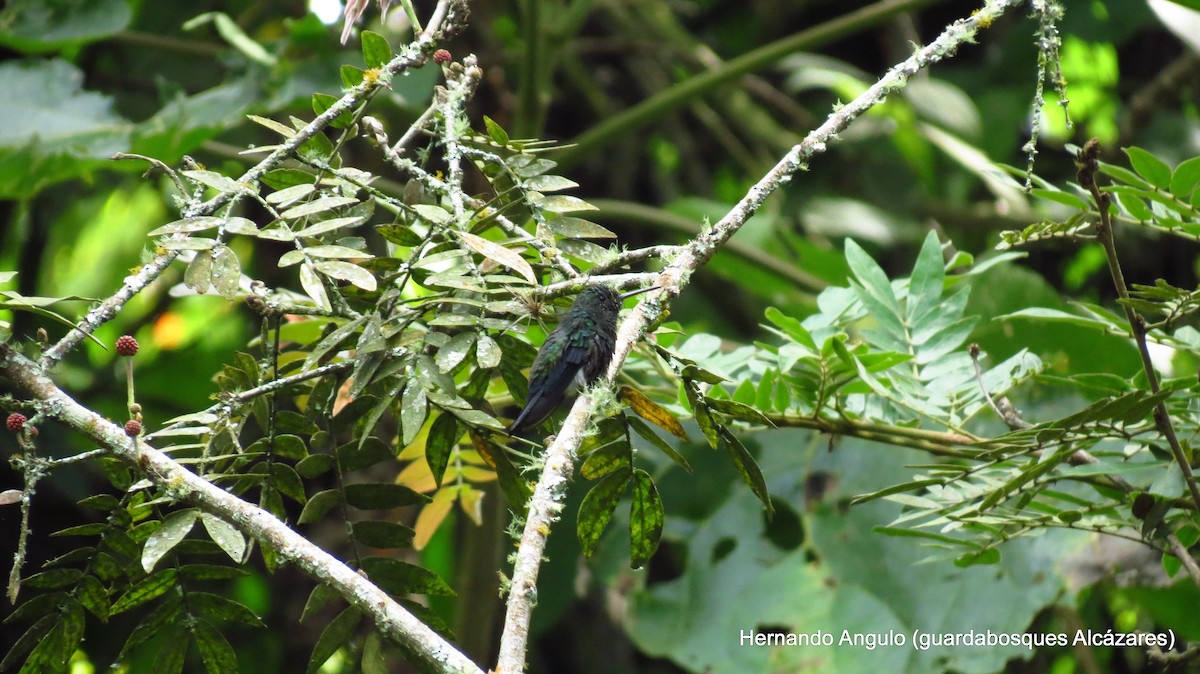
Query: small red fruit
[
  {"x": 126, "y": 345},
  {"x": 15, "y": 422},
  {"x": 133, "y": 428},
  {"x": 441, "y": 56}
]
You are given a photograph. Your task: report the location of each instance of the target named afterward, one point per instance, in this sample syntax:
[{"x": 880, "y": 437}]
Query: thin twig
[
  {"x": 1088, "y": 164},
  {"x": 1184, "y": 557},
  {"x": 413, "y": 56}
]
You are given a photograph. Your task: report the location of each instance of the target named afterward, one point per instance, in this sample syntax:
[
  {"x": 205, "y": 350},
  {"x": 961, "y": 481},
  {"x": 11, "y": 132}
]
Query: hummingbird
[{"x": 575, "y": 353}]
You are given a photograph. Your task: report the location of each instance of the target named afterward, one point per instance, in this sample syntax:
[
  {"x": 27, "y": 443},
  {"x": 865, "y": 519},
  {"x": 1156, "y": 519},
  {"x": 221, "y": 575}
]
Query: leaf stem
[{"x": 1088, "y": 163}]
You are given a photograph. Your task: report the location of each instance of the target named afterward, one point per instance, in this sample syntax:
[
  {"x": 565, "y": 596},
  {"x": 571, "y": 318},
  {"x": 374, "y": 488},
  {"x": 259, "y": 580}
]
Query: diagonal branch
[
  {"x": 412, "y": 56},
  {"x": 549, "y": 496},
  {"x": 424, "y": 646}
]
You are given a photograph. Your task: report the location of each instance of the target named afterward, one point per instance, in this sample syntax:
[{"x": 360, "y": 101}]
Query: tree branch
[
  {"x": 414, "y": 55},
  {"x": 548, "y": 498},
  {"x": 428, "y": 650}
]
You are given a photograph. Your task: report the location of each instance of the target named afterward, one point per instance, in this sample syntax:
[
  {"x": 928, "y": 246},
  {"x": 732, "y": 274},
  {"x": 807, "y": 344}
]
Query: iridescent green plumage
[{"x": 574, "y": 355}]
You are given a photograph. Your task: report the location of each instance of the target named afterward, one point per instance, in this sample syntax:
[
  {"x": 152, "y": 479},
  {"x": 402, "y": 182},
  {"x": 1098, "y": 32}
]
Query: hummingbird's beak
[{"x": 631, "y": 293}]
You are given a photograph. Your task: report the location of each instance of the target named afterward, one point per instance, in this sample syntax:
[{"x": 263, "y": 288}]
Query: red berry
[
  {"x": 126, "y": 345},
  {"x": 133, "y": 428},
  {"x": 441, "y": 56},
  {"x": 15, "y": 422}
]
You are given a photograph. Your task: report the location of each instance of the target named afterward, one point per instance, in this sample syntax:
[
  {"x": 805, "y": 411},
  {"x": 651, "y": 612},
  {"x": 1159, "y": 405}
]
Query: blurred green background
[{"x": 667, "y": 112}]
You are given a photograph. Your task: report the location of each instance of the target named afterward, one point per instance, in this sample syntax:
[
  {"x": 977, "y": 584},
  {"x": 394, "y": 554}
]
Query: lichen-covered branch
[
  {"x": 427, "y": 649},
  {"x": 548, "y": 498},
  {"x": 413, "y": 55}
]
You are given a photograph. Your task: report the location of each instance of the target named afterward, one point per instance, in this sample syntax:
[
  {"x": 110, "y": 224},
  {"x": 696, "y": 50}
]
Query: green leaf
[
  {"x": 874, "y": 281},
  {"x": 49, "y": 122},
  {"x": 497, "y": 133},
  {"x": 316, "y": 464},
  {"x": 164, "y": 615},
  {"x": 645, "y": 519},
  {"x": 173, "y": 653},
  {"x": 977, "y": 557},
  {"x": 738, "y": 411},
  {"x": 281, "y": 179},
  {"x": 1064, "y": 198},
  {"x": 320, "y": 596},
  {"x": 792, "y": 328},
  {"x": 578, "y": 228},
  {"x": 92, "y": 595},
  {"x": 1135, "y": 205},
  {"x": 32, "y": 636},
  {"x": 346, "y": 271},
  {"x": 476, "y": 418},
  {"x": 187, "y": 225},
  {"x": 170, "y": 532},
  {"x": 216, "y": 181},
  {"x": 746, "y": 467},
  {"x": 455, "y": 351},
  {"x": 37, "y": 27},
  {"x": 380, "y": 534},
  {"x": 605, "y": 459},
  {"x": 498, "y": 253},
  {"x": 225, "y": 535},
  {"x": 552, "y": 183},
  {"x": 487, "y": 352},
  {"x": 414, "y": 408},
  {"x": 663, "y": 446},
  {"x": 362, "y": 454},
  {"x": 563, "y": 203},
  {"x": 1186, "y": 176},
  {"x": 226, "y": 272},
  {"x": 701, "y": 413},
  {"x": 399, "y": 578},
  {"x": 1149, "y": 167},
  {"x": 375, "y": 49},
  {"x": 1055, "y": 315},
  {"x": 381, "y": 496},
  {"x": 233, "y": 34},
  {"x": 597, "y": 508},
  {"x": 212, "y": 572},
  {"x": 215, "y": 652},
  {"x": 335, "y": 635},
  {"x": 216, "y": 607},
  {"x": 151, "y": 587},
  {"x": 318, "y": 505},
  {"x": 351, "y": 76},
  {"x": 316, "y": 206},
  {"x": 928, "y": 276},
  {"x": 373, "y": 659},
  {"x": 443, "y": 435}
]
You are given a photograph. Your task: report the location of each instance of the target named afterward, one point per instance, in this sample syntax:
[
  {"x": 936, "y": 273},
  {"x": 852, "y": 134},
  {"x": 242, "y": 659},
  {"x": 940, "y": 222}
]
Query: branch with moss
[
  {"x": 550, "y": 493},
  {"x": 426, "y": 648}
]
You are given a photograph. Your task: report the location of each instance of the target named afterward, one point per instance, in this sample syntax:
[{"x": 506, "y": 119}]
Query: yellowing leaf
[
  {"x": 500, "y": 254},
  {"x": 650, "y": 411},
  {"x": 432, "y": 515},
  {"x": 417, "y": 477},
  {"x": 471, "y": 502}
]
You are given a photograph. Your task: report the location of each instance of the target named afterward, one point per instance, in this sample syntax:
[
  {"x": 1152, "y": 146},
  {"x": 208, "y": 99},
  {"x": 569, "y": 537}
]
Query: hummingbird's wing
[{"x": 548, "y": 386}]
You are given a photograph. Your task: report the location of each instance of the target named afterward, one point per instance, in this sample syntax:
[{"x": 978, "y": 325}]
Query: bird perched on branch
[{"x": 575, "y": 353}]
